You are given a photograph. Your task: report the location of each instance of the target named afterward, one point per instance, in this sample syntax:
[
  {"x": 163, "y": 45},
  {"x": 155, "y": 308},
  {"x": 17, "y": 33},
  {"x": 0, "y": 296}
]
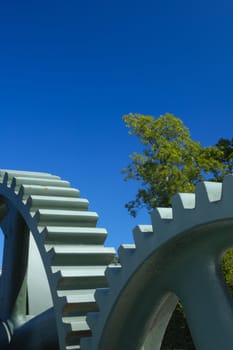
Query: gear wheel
[
  {"x": 50, "y": 239},
  {"x": 177, "y": 257}
]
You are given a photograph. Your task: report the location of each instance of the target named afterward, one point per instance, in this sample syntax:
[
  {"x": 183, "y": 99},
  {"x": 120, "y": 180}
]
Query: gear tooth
[
  {"x": 228, "y": 186},
  {"x": 140, "y": 232},
  {"x": 74, "y": 235},
  {"x": 111, "y": 273},
  {"x": 183, "y": 205},
  {"x": 44, "y": 234},
  {"x": 68, "y": 255},
  {"x": 21, "y": 194},
  {"x": 125, "y": 251},
  {"x": 28, "y": 201},
  {"x": 74, "y": 302},
  {"x": 50, "y": 254},
  {"x": 159, "y": 217},
  {"x": 86, "y": 344},
  {"x": 61, "y": 301},
  {"x": 36, "y": 215},
  {"x": 86, "y": 277},
  {"x": 163, "y": 213},
  {"x": 208, "y": 191},
  {"x": 75, "y": 327},
  {"x": 183, "y": 201},
  {"x": 5, "y": 178},
  {"x": 100, "y": 296},
  {"x": 92, "y": 320},
  {"x": 74, "y": 218},
  {"x": 58, "y": 202},
  {"x": 40, "y": 181},
  {"x": 57, "y": 276},
  {"x": 42, "y": 190},
  {"x": 27, "y": 174},
  {"x": 13, "y": 184},
  {"x": 2, "y": 174}
]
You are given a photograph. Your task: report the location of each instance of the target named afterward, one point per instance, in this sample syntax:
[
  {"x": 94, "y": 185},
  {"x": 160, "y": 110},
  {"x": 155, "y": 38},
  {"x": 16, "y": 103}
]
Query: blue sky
[{"x": 70, "y": 69}]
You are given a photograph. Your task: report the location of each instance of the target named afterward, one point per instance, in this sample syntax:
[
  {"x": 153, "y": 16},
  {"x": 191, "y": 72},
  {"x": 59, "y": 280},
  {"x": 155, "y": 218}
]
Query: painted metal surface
[
  {"x": 53, "y": 257},
  {"x": 56, "y": 291},
  {"x": 178, "y": 256}
]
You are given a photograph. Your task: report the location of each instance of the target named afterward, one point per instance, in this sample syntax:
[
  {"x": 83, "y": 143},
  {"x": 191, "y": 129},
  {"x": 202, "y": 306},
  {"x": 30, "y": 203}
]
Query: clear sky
[{"x": 70, "y": 69}]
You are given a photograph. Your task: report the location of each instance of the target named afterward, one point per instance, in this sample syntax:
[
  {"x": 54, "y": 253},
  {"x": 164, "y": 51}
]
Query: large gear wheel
[
  {"x": 54, "y": 260},
  {"x": 177, "y": 257}
]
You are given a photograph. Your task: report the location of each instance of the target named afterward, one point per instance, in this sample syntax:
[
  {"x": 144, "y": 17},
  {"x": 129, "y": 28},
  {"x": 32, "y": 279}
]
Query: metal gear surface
[
  {"x": 54, "y": 260},
  {"x": 177, "y": 257},
  {"x": 41, "y": 210}
]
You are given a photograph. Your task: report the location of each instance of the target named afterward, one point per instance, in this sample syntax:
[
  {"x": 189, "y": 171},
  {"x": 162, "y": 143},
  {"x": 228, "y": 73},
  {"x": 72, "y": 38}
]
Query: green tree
[
  {"x": 226, "y": 157},
  {"x": 170, "y": 161},
  {"x": 226, "y": 146}
]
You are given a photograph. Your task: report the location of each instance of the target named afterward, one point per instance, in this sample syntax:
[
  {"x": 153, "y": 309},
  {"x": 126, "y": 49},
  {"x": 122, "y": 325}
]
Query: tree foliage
[
  {"x": 226, "y": 157},
  {"x": 227, "y": 266},
  {"x": 170, "y": 161}
]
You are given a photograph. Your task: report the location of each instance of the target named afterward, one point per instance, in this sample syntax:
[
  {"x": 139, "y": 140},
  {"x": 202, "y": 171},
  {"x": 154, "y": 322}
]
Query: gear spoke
[{"x": 14, "y": 266}]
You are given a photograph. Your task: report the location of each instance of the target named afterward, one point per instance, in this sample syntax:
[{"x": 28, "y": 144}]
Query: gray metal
[
  {"x": 54, "y": 270},
  {"x": 179, "y": 256},
  {"x": 53, "y": 256},
  {"x": 37, "y": 334}
]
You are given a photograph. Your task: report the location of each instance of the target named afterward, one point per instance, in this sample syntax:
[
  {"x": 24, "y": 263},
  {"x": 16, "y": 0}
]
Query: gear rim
[{"x": 201, "y": 215}]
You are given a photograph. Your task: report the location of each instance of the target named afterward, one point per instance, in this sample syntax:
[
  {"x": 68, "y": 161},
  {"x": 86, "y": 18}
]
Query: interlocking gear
[
  {"x": 178, "y": 257},
  {"x": 54, "y": 261},
  {"x": 53, "y": 257}
]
